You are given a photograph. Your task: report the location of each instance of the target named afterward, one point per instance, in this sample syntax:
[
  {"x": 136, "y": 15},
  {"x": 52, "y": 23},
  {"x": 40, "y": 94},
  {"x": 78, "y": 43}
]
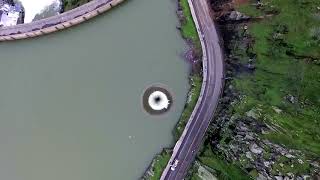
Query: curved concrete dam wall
[{"x": 59, "y": 22}]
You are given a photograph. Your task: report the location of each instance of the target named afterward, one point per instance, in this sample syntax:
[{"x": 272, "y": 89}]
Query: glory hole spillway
[{"x": 70, "y": 102}]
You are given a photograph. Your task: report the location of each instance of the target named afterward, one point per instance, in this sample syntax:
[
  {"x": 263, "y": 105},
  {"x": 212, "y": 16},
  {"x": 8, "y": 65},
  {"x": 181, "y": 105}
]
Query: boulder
[
  {"x": 254, "y": 148},
  {"x": 278, "y": 177},
  {"x": 204, "y": 174},
  {"x": 236, "y": 16},
  {"x": 253, "y": 114}
]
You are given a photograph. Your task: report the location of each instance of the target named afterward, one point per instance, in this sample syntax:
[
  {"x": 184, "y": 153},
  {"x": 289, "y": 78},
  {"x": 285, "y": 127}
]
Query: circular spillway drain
[{"x": 156, "y": 100}]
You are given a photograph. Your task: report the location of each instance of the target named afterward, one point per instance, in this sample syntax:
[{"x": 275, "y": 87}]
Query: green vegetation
[
  {"x": 287, "y": 53},
  {"x": 283, "y": 46},
  {"x": 70, "y": 4},
  {"x": 224, "y": 170},
  {"x": 188, "y": 28},
  {"x": 196, "y": 177},
  {"x": 295, "y": 167},
  {"x": 196, "y": 82},
  {"x": 158, "y": 165},
  {"x": 189, "y": 31}
]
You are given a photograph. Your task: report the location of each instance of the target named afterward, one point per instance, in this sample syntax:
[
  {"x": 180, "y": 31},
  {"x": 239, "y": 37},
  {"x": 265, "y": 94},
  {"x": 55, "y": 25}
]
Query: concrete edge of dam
[{"x": 58, "y": 22}]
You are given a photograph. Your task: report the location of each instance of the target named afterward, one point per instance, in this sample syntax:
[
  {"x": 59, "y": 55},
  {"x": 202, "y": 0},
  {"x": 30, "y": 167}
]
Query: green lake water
[{"x": 70, "y": 102}]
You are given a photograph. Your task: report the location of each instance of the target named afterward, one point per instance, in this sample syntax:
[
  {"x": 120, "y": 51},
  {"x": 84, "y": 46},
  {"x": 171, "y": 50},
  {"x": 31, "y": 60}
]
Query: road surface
[{"x": 213, "y": 80}]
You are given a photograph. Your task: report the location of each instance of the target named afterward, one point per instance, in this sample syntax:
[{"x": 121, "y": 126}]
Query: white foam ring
[{"x": 162, "y": 103}]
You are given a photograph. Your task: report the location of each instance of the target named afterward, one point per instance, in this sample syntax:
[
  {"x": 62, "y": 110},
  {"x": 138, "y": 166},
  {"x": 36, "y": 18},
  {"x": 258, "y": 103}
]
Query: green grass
[
  {"x": 158, "y": 165},
  {"x": 224, "y": 169},
  {"x": 188, "y": 28},
  {"x": 195, "y": 177},
  {"x": 196, "y": 82},
  {"x": 293, "y": 167},
  {"x": 247, "y": 8},
  {"x": 70, "y": 4},
  {"x": 287, "y": 49}
]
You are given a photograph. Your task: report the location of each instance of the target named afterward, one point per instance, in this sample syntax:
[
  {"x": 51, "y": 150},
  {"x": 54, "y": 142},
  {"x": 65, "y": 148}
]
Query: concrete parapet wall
[{"x": 58, "y": 22}]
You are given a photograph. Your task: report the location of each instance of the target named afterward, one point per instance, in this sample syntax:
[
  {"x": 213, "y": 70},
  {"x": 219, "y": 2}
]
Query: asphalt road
[{"x": 213, "y": 81}]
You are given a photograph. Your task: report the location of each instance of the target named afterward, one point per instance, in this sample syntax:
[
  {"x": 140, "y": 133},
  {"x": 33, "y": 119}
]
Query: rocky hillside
[{"x": 268, "y": 123}]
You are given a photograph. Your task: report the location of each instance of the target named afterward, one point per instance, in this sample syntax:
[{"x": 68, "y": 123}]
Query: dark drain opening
[{"x": 157, "y": 100}]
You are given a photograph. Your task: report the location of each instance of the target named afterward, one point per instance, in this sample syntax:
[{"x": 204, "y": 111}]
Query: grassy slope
[
  {"x": 188, "y": 29},
  {"x": 194, "y": 93},
  {"x": 223, "y": 169},
  {"x": 160, "y": 162},
  {"x": 284, "y": 45}
]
